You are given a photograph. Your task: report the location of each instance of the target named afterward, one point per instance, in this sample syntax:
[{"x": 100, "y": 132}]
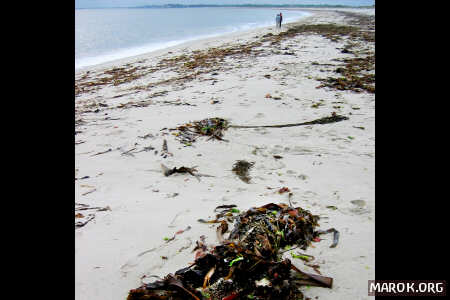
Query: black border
[
  {"x": 38, "y": 136},
  {"x": 411, "y": 117}
]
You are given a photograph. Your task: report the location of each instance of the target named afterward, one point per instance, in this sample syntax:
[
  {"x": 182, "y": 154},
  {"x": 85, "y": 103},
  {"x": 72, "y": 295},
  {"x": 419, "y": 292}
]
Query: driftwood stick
[
  {"x": 96, "y": 208},
  {"x": 109, "y": 150},
  {"x": 89, "y": 218},
  {"x": 128, "y": 152}
]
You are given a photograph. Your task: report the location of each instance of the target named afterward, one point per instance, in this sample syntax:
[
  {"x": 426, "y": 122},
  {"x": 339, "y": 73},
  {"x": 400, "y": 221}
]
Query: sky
[{"x": 132, "y": 3}]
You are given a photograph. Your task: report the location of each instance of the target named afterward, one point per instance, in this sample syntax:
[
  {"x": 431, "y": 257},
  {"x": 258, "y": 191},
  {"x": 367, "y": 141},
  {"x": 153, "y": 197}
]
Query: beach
[{"x": 124, "y": 111}]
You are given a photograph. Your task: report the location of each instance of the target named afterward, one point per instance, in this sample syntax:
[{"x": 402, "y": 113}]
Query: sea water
[{"x": 103, "y": 35}]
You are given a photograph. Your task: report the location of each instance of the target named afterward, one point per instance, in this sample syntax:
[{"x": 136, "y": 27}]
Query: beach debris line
[
  {"x": 249, "y": 263},
  {"x": 357, "y": 75},
  {"x": 241, "y": 168}
]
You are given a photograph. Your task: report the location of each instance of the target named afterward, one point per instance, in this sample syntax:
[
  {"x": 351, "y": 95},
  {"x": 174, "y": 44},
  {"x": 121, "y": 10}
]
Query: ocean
[{"x": 107, "y": 34}]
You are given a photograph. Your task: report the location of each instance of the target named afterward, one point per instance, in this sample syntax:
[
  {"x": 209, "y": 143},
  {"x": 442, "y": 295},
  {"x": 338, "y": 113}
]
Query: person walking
[{"x": 277, "y": 21}]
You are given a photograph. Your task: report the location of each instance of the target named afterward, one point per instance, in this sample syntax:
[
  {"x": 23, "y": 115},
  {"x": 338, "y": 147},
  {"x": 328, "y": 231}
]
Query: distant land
[{"x": 246, "y": 5}]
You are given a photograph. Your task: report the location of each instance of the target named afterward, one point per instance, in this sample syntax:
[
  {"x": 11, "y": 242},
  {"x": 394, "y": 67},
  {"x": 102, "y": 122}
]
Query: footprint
[
  {"x": 360, "y": 207},
  {"x": 271, "y": 165},
  {"x": 309, "y": 194},
  {"x": 115, "y": 132},
  {"x": 299, "y": 150},
  {"x": 358, "y": 203},
  {"x": 261, "y": 130},
  {"x": 359, "y": 211},
  {"x": 276, "y": 151}
]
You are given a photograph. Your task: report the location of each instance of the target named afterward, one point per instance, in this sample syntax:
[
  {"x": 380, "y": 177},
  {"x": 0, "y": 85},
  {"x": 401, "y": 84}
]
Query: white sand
[{"x": 321, "y": 164}]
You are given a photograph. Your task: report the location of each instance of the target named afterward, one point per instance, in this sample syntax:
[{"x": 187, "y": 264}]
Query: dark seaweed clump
[
  {"x": 249, "y": 263},
  {"x": 212, "y": 127},
  {"x": 241, "y": 168}
]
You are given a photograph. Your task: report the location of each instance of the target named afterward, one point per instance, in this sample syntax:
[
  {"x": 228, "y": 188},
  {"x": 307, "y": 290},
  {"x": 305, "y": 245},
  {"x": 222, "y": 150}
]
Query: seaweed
[
  {"x": 215, "y": 127},
  {"x": 248, "y": 264},
  {"x": 241, "y": 169},
  {"x": 212, "y": 127},
  {"x": 167, "y": 172},
  {"x": 114, "y": 76},
  {"x": 357, "y": 75},
  {"x": 325, "y": 120}
]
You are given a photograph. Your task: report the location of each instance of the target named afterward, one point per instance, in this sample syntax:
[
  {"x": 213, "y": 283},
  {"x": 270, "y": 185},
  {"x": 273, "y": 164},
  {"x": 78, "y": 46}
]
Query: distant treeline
[{"x": 251, "y": 5}]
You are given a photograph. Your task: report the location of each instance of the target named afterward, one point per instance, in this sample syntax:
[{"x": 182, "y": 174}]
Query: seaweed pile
[
  {"x": 212, "y": 127},
  {"x": 249, "y": 263},
  {"x": 114, "y": 76},
  {"x": 357, "y": 75},
  {"x": 333, "y": 32}
]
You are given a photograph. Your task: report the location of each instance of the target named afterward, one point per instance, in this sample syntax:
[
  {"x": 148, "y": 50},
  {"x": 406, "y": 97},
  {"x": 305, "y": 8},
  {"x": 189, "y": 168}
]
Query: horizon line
[{"x": 176, "y": 5}]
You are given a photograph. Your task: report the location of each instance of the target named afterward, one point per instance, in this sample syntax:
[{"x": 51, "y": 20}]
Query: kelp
[
  {"x": 325, "y": 120},
  {"x": 215, "y": 127},
  {"x": 212, "y": 127},
  {"x": 335, "y": 236},
  {"x": 249, "y": 263}
]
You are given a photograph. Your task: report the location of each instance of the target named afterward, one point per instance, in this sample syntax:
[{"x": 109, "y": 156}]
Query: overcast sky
[{"x": 131, "y": 3}]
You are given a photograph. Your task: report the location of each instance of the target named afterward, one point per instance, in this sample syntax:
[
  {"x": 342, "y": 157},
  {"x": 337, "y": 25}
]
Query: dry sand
[{"x": 323, "y": 165}]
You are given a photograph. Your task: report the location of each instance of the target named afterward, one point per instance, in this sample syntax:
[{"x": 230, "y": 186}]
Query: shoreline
[
  {"x": 200, "y": 41},
  {"x": 123, "y": 110},
  {"x": 195, "y": 42}
]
